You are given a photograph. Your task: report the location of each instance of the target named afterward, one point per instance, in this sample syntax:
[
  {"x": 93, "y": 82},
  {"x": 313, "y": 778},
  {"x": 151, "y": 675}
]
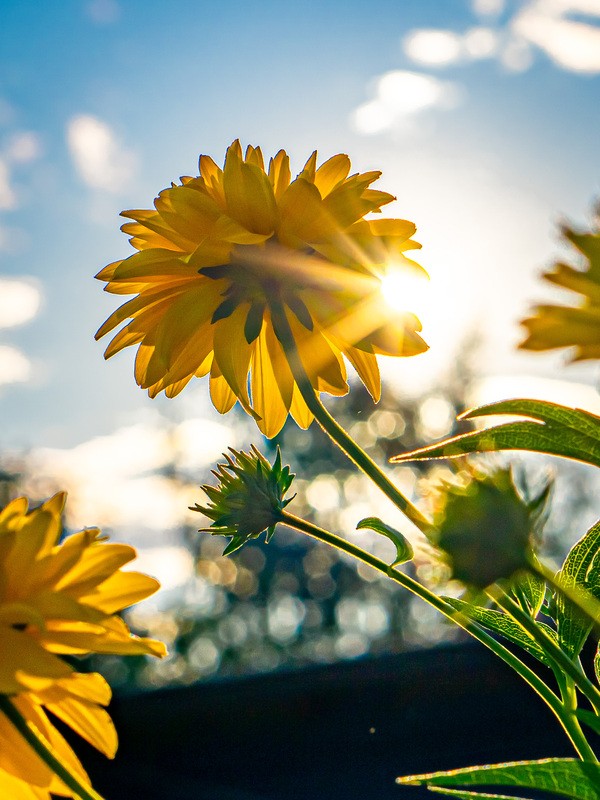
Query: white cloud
[
  {"x": 571, "y": 44},
  {"x": 19, "y": 301},
  {"x": 15, "y": 367},
  {"x": 433, "y": 47},
  {"x": 120, "y": 480},
  {"x": 480, "y": 43},
  {"x": 23, "y": 147},
  {"x": 102, "y": 162},
  {"x": 8, "y": 198},
  {"x": 400, "y": 96}
]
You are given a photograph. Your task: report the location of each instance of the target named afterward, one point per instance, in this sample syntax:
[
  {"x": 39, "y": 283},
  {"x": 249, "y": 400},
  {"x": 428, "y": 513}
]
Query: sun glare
[{"x": 406, "y": 290}]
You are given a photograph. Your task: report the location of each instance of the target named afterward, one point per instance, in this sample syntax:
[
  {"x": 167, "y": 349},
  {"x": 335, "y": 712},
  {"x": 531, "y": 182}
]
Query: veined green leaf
[
  {"x": 582, "y": 562},
  {"x": 532, "y": 589},
  {"x": 550, "y": 428},
  {"x": 567, "y": 777},
  {"x": 404, "y": 551},
  {"x": 501, "y": 623}
]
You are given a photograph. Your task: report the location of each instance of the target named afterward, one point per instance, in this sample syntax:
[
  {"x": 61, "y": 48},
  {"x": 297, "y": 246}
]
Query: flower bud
[
  {"x": 484, "y": 526},
  {"x": 248, "y": 498}
]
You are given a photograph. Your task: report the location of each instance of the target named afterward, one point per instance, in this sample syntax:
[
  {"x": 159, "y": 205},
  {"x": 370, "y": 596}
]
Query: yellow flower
[
  {"x": 59, "y": 599},
  {"x": 576, "y": 325},
  {"x": 221, "y": 250}
]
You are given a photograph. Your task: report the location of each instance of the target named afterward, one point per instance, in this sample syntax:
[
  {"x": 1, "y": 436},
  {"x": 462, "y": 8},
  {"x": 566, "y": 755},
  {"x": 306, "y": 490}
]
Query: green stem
[
  {"x": 43, "y": 751},
  {"x": 569, "y": 701},
  {"x": 335, "y": 431},
  {"x": 569, "y": 724},
  {"x": 549, "y": 646}
]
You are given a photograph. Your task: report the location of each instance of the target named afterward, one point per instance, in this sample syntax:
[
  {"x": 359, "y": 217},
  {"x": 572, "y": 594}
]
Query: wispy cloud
[
  {"x": 103, "y": 12},
  {"x": 399, "y": 97},
  {"x": 100, "y": 159},
  {"x": 22, "y": 147},
  {"x": 572, "y": 44},
  {"x": 8, "y": 197}
]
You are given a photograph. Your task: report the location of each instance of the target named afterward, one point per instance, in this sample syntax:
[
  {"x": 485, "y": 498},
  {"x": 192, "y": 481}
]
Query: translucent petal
[{"x": 332, "y": 172}]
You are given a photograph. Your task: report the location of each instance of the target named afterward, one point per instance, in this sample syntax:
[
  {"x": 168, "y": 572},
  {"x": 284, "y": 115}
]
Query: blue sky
[{"x": 483, "y": 117}]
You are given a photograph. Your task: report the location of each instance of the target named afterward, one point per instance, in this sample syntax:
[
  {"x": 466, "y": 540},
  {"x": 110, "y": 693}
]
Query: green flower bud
[
  {"x": 485, "y": 526},
  {"x": 248, "y": 498}
]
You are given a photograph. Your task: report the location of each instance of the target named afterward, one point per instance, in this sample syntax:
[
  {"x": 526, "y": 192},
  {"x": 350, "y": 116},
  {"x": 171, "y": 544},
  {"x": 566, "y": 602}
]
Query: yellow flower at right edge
[
  {"x": 221, "y": 253},
  {"x": 575, "y": 325},
  {"x": 59, "y": 598}
]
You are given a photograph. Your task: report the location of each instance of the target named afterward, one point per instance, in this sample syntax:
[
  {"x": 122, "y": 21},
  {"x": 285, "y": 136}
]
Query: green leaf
[
  {"x": 460, "y": 795},
  {"x": 502, "y": 624},
  {"x": 567, "y": 777},
  {"x": 589, "y": 718},
  {"x": 581, "y": 562},
  {"x": 531, "y": 589},
  {"x": 550, "y": 428},
  {"x": 404, "y": 551}
]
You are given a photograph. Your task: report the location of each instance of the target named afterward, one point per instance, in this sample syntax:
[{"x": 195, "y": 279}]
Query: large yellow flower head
[
  {"x": 59, "y": 599},
  {"x": 221, "y": 252}
]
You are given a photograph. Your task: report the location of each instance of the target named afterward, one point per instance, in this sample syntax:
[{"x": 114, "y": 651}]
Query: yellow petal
[
  {"x": 97, "y": 563},
  {"x": 266, "y": 394},
  {"x": 121, "y": 590},
  {"x": 366, "y": 366},
  {"x": 250, "y": 198},
  {"x": 17, "y": 759},
  {"x": 221, "y": 394},
  {"x": 14, "y": 510},
  {"x": 299, "y": 410},
  {"x": 332, "y": 172},
  {"x": 279, "y": 173},
  {"x": 90, "y": 721},
  {"x": 308, "y": 173},
  {"x": 16, "y": 789},
  {"x": 21, "y": 652},
  {"x": 254, "y": 156},
  {"x": 233, "y": 353}
]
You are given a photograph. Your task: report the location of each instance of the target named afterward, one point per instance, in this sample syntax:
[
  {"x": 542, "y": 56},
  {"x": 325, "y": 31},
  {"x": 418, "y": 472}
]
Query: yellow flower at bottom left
[{"x": 59, "y": 598}]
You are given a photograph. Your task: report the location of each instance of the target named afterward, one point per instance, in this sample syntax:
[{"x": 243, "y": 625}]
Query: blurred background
[{"x": 483, "y": 116}]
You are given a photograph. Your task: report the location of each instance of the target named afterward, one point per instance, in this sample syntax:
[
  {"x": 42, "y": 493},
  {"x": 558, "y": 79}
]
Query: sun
[{"x": 407, "y": 290}]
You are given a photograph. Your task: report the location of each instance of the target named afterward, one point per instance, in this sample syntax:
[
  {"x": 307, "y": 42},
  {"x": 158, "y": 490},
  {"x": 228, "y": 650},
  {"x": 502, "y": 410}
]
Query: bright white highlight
[
  {"x": 172, "y": 566},
  {"x": 19, "y": 302},
  {"x": 100, "y": 160},
  {"x": 15, "y": 367},
  {"x": 400, "y": 96},
  {"x": 406, "y": 290}
]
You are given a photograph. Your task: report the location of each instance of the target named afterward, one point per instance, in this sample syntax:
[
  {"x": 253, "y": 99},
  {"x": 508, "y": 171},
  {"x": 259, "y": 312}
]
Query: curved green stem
[
  {"x": 566, "y": 719},
  {"x": 335, "y": 431},
  {"x": 569, "y": 701},
  {"x": 549, "y": 646},
  {"x": 44, "y": 752}
]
